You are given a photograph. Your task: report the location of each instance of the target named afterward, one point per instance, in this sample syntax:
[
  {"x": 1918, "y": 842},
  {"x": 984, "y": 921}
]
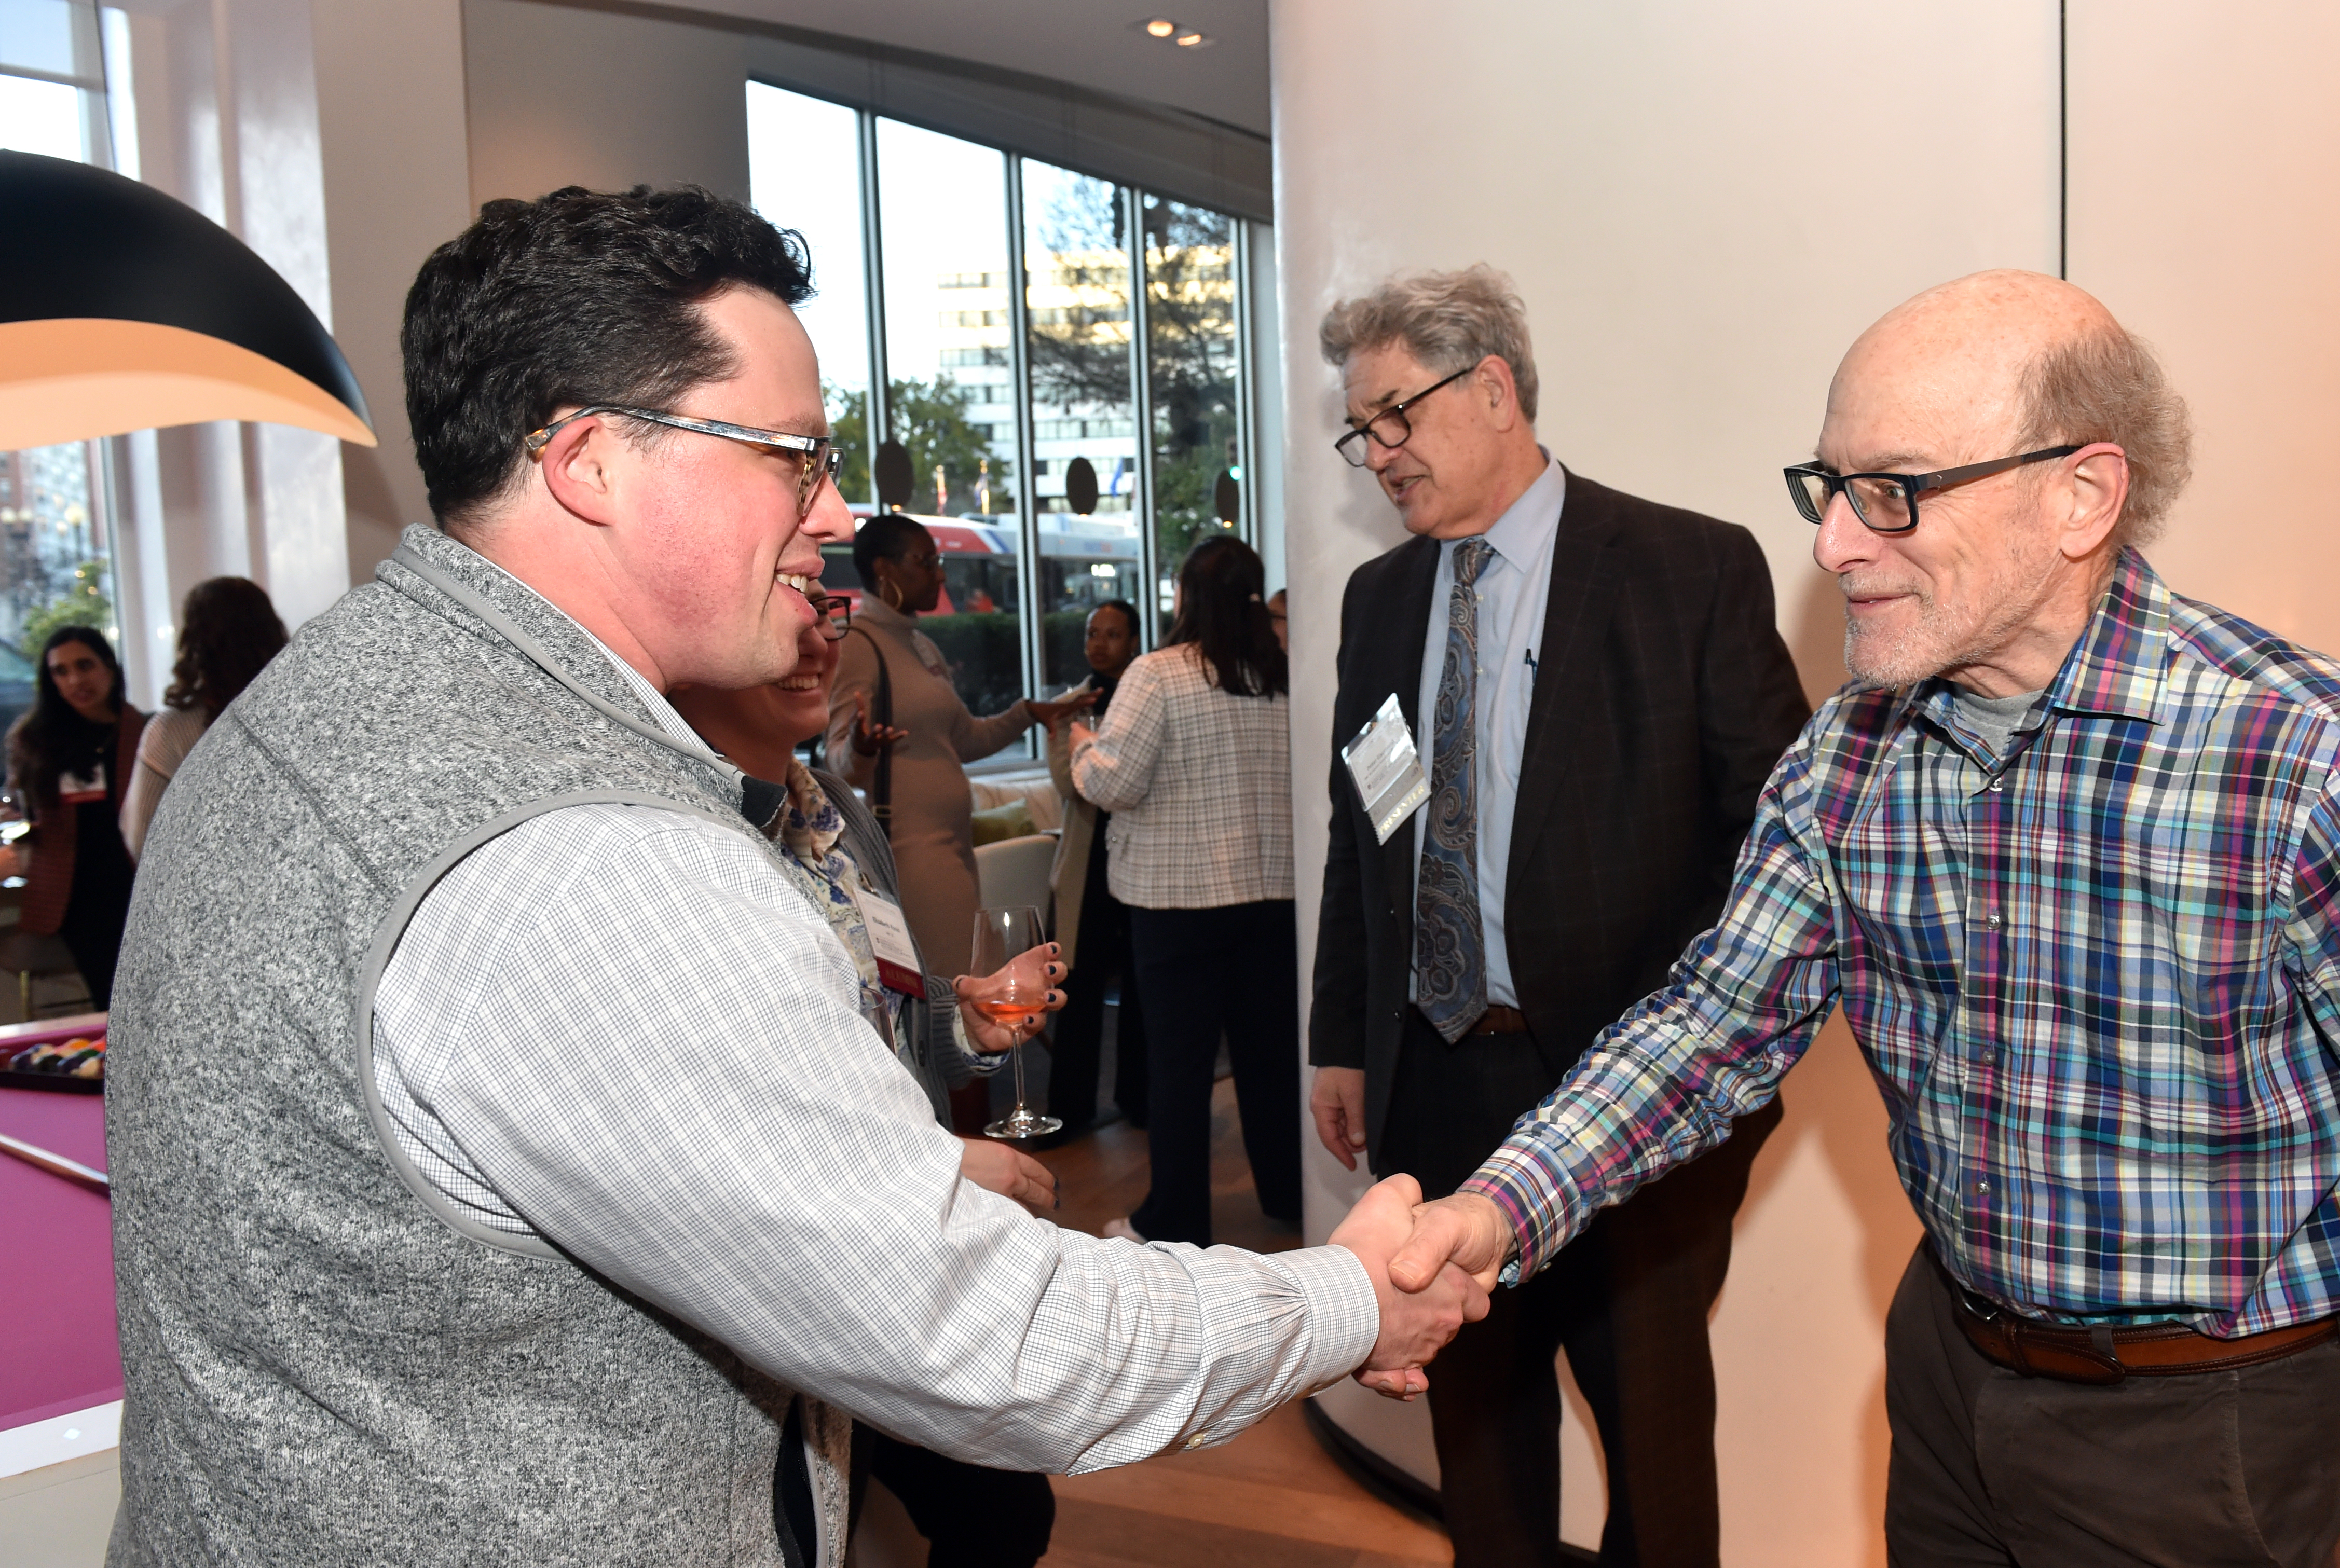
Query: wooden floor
[{"x": 1272, "y": 1496}]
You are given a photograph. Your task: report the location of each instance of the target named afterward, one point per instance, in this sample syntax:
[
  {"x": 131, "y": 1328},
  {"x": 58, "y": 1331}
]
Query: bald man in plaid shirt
[{"x": 2066, "y": 854}]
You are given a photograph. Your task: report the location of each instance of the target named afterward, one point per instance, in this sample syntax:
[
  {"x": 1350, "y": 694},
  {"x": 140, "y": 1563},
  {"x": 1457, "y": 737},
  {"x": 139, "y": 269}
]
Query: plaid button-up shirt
[{"x": 2095, "y": 977}]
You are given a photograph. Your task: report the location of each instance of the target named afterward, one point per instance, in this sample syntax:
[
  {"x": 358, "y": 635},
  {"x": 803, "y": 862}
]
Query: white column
[
  {"x": 1703, "y": 203},
  {"x": 227, "y": 122}
]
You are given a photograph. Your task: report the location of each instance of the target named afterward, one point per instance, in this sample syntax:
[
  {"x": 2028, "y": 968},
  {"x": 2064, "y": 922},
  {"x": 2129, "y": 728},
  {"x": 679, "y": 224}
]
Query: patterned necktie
[{"x": 1450, "y": 955}]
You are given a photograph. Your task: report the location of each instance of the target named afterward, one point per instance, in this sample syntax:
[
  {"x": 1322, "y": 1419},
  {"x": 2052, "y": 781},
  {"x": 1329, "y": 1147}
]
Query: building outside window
[
  {"x": 1070, "y": 436},
  {"x": 57, "y": 533}
]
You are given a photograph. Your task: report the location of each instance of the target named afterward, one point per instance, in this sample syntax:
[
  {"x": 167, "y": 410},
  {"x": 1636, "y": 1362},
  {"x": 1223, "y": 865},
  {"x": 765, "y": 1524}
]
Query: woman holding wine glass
[{"x": 948, "y": 1033}]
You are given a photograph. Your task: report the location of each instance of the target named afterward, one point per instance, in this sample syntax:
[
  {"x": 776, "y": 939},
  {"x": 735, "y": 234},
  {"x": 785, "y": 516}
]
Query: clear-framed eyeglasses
[
  {"x": 817, "y": 456},
  {"x": 1888, "y": 502},
  {"x": 1389, "y": 429}
]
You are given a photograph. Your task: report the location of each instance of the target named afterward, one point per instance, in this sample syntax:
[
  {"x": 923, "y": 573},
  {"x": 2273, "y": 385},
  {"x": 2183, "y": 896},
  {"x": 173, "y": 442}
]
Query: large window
[
  {"x": 1070, "y": 435},
  {"x": 57, "y": 538}
]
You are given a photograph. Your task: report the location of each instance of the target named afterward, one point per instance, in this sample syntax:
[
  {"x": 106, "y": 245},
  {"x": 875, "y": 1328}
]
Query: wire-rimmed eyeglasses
[
  {"x": 1881, "y": 499},
  {"x": 1390, "y": 428},
  {"x": 818, "y": 458}
]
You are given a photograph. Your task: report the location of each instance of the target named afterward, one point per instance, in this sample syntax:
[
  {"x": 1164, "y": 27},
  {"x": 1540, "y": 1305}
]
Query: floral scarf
[{"x": 808, "y": 829}]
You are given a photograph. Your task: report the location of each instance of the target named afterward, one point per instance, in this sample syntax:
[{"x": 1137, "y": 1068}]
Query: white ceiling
[{"x": 1095, "y": 43}]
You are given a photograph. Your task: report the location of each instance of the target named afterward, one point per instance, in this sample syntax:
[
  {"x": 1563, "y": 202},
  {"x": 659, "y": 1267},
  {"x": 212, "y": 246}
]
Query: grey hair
[
  {"x": 1448, "y": 321},
  {"x": 2108, "y": 385}
]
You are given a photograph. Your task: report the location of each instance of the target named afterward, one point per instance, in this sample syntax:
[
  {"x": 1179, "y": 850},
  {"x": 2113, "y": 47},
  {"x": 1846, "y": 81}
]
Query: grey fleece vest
[{"x": 325, "y": 1366}]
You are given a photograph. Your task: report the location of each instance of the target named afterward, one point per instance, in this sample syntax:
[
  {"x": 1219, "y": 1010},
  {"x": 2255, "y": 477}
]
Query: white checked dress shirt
[
  {"x": 1199, "y": 783},
  {"x": 624, "y": 1029}
]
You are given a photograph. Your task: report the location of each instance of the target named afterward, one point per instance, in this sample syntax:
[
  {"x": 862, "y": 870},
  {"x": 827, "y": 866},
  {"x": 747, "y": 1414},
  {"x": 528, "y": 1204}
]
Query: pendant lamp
[{"x": 122, "y": 309}]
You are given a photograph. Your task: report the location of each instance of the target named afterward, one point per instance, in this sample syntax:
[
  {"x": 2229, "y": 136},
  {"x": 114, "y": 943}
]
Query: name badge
[
  {"x": 83, "y": 789},
  {"x": 890, "y": 945},
  {"x": 1386, "y": 769}
]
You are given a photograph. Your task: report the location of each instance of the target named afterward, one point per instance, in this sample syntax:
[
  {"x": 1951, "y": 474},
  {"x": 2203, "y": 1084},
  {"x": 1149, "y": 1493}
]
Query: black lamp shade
[{"x": 122, "y": 309}]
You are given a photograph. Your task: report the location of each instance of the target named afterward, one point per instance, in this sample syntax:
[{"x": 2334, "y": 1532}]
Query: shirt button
[
  {"x": 1992, "y": 920},
  {"x": 1995, "y": 783},
  {"x": 1196, "y": 1441},
  {"x": 1981, "y": 1189},
  {"x": 1989, "y": 1056}
]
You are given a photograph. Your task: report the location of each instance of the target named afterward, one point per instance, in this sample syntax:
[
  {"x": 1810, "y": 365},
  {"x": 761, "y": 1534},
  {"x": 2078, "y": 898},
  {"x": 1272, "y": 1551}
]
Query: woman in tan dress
[{"x": 934, "y": 842}]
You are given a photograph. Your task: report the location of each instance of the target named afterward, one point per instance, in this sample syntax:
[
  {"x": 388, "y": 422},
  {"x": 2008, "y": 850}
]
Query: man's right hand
[
  {"x": 1414, "y": 1325},
  {"x": 1466, "y": 1231},
  {"x": 1336, "y": 1100}
]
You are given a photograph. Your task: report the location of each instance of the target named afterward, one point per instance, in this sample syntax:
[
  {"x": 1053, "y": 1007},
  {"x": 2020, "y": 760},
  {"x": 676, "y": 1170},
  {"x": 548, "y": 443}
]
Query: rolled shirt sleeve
[{"x": 621, "y": 1024}]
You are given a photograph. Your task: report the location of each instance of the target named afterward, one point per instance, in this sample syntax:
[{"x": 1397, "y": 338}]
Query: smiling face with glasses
[
  {"x": 1961, "y": 552},
  {"x": 695, "y": 557}
]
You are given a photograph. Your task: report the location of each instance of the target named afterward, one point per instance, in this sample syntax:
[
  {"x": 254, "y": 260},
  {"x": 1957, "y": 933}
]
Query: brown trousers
[{"x": 2200, "y": 1471}]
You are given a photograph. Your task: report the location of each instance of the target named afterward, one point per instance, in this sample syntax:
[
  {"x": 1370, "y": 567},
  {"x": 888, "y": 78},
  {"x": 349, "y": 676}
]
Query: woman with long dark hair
[
  {"x": 68, "y": 758},
  {"x": 1193, "y": 761},
  {"x": 228, "y": 631}
]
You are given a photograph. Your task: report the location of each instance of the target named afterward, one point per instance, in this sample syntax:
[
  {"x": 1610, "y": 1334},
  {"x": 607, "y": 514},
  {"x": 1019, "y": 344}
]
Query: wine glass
[{"x": 1012, "y": 998}]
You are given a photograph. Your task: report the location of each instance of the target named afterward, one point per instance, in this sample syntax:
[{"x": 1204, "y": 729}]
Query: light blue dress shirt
[{"x": 1513, "y": 589}]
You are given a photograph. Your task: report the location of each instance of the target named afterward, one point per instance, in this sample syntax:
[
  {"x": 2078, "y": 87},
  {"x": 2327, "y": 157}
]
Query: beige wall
[
  {"x": 2205, "y": 156},
  {"x": 568, "y": 96},
  {"x": 1702, "y": 204},
  {"x": 389, "y": 101}
]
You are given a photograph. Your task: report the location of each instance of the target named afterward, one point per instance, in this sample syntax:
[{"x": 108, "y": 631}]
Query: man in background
[
  {"x": 1597, "y": 691},
  {"x": 2066, "y": 854}
]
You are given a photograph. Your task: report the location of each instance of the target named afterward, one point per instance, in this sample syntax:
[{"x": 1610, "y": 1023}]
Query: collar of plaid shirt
[{"x": 2096, "y": 978}]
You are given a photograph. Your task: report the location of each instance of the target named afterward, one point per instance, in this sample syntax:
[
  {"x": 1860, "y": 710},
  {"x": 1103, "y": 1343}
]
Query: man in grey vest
[{"x": 503, "y": 1170}]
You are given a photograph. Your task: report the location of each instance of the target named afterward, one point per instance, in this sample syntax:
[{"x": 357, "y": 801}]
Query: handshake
[{"x": 1432, "y": 1265}]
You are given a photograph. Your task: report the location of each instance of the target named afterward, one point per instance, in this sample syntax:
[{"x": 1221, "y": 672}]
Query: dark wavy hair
[
  {"x": 1223, "y": 611},
  {"x": 228, "y": 631},
  {"x": 36, "y": 741},
  {"x": 576, "y": 298}
]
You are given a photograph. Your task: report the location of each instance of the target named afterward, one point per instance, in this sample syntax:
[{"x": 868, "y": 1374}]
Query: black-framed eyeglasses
[
  {"x": 1390, "y": 428},
  {"x": 836, "y": 613},
  {"x": 818, "y": 458},
  {"x": 1880, "y": 500}
]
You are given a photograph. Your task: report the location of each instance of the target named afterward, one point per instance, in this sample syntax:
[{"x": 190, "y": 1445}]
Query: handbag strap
[{"x": 881, "y": 790}]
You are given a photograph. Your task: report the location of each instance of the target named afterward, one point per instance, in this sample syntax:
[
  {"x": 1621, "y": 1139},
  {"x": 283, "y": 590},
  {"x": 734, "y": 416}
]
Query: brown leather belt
[
  {"x": 2104, "y": 1354},
  {"x": 1500, "y": 1021}
]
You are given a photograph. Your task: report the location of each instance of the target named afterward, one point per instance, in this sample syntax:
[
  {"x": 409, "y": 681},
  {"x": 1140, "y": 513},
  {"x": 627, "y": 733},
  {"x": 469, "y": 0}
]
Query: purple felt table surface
[{"x": 57, "y": 1265}]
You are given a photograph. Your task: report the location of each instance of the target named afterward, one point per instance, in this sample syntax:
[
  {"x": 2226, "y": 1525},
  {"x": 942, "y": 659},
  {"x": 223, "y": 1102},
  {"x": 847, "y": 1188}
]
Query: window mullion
[
  {"x": 1246, "y": 388},
  {"x": 877, "y": 410},
  {"x": 1019, "y": 359},
  {"x": 1141, "y": 399}
]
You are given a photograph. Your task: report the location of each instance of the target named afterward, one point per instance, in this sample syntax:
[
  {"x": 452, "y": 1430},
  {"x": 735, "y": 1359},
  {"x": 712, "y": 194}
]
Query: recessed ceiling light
[
  {"x": 1192, "y": 40},
  {"x": 1161, "y": 26}
]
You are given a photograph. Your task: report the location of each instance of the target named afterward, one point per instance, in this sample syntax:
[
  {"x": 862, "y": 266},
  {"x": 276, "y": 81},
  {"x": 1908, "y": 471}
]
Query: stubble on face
[{"x": 1947, "y": 623}]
